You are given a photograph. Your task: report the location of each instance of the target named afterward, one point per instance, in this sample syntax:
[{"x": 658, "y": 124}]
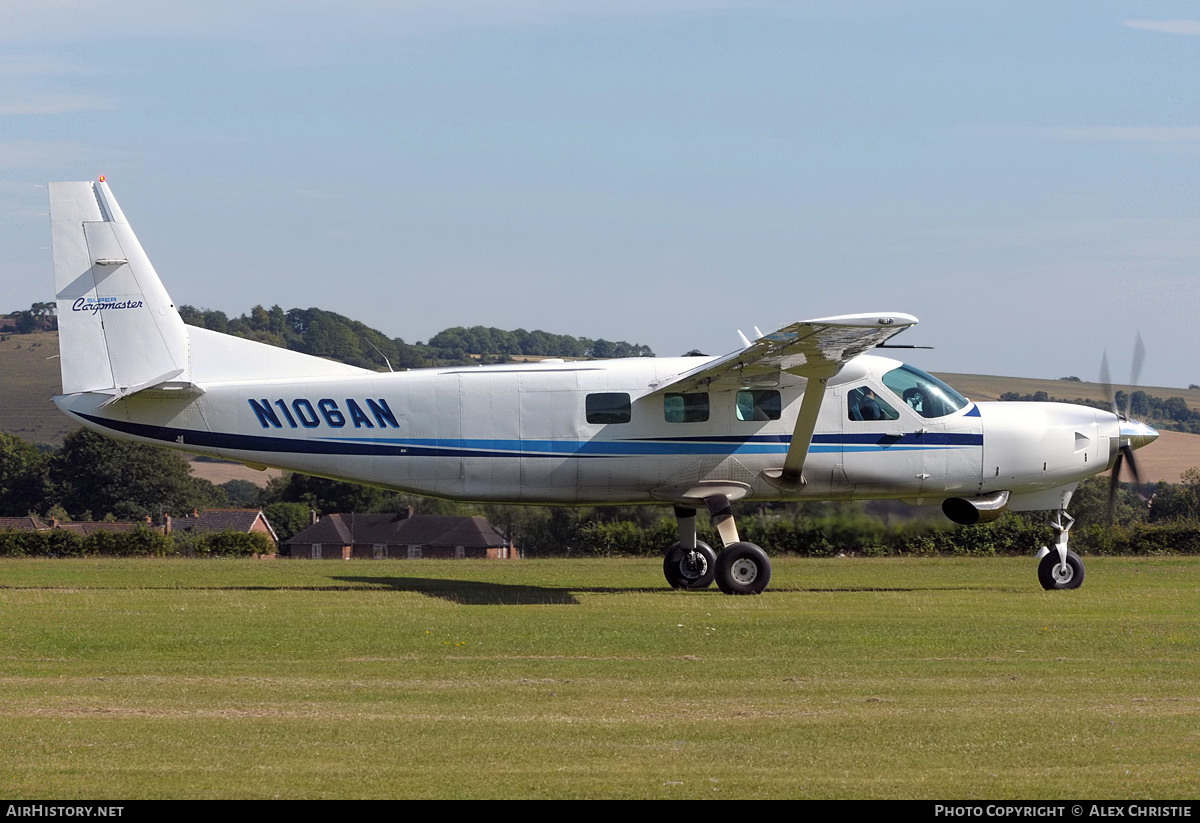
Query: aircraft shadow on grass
[
  {"x": 472, "y": 592},
  {"x": 478, "y": 593}
]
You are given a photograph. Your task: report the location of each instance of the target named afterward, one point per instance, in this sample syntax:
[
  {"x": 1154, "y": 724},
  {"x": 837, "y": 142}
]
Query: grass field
[{"x": 929, "y": 678}]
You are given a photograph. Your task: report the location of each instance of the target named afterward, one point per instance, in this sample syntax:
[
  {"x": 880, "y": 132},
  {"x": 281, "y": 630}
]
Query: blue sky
[{"x": 1020, "y": 176}]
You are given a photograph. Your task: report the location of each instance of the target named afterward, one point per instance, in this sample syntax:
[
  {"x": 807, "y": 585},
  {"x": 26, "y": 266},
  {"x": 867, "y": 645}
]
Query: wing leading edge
[{"x": 814, "y": 349}]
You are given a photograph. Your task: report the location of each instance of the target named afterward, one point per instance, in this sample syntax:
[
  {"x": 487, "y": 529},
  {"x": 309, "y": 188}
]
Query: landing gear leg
[
  {"x": 689, "y": 564},
  {"x": 1060, "y": 568},
  {"x": 742, "y": 568}
]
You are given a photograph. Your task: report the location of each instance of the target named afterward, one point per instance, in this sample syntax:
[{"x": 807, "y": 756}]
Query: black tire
[
  {"x": 743, "y": 568},
  {"x": 684, "y": 573},
  {"x": 1052, "y": 576}
]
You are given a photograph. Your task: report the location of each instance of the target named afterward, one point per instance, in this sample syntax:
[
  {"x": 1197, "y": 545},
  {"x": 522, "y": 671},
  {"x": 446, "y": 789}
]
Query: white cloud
[
  {"x": 38, "y": 154},
  {"x": 27, "y": 86},
  {"x": 58, "y": 21},
  {"x": 1188, "y": 27},
  {"x": 1102, "y": 134},
  {"x": 54, "y": 104},
  {"x": 26, "y": 66},
  {"x": 1124, "y": 134}
]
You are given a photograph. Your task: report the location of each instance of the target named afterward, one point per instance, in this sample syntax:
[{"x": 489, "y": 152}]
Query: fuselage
[{"x": 596, "y": 432}]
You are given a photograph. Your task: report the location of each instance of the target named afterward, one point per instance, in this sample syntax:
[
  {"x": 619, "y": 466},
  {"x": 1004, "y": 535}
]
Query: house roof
[
  {"x": 400, "y": 530},
  {"x": 448, "y": 530},
  {"x": 84, "y": 528},
  {"x": 222, "y": 520},
  {"x": 22, "y": 524}
]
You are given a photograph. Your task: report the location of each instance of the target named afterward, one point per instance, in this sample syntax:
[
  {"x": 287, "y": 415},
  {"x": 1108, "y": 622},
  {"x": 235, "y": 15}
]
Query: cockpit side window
[
  {"x": 608, "y": 407},
  {"x": 863, "y": 404},
  {"x": 923, "y": 393}
]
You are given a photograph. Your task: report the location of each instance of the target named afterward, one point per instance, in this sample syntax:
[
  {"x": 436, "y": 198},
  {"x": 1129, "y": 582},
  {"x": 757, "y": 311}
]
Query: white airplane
[{"x": 800, "y": 414}]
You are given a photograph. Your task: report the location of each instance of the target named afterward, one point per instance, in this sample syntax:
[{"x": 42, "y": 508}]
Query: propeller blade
[
  {"x": 1137, "y": 478},
  {"x": 1113, "y": 482},
  {"x": 1139, "y": 357},
  {"x": 1107, "y": 383}
]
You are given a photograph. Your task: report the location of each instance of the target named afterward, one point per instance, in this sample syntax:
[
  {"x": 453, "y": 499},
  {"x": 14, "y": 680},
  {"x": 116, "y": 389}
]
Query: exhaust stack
[{"x": 971, "y": 510}]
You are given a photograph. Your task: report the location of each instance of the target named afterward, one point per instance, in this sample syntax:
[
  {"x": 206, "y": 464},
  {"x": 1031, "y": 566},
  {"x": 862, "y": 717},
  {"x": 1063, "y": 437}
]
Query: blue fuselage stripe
[{"x": 457, "y": 447}]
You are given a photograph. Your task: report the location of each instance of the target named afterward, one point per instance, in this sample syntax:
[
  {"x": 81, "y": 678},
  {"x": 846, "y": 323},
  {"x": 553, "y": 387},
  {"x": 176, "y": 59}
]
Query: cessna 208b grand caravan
[{"x": 800, "y": 414}]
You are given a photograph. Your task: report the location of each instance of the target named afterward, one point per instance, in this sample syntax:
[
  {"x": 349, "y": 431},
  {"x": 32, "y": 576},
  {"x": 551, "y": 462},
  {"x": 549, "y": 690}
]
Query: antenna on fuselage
[{"x": 381, "y": 354}]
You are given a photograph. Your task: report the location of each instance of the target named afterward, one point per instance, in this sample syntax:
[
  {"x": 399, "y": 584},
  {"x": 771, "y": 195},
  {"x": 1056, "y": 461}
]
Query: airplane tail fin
[{"x": 119, "y": 332}]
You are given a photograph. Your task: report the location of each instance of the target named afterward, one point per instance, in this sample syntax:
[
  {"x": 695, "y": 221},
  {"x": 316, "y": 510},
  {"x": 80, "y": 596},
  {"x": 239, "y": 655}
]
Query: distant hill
[
  {"x": 980, "y": 387},
  {"x": 29, "y": 379}
]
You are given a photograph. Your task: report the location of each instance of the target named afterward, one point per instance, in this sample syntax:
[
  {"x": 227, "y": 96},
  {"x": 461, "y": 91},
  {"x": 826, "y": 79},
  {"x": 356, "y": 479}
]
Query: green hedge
[
  {"x": 50, "y": 543},
  {"x": 865, "y": 537},
  {"x": 1140, "y": 538},
  {"x": 141, "y": 542},
  {"x": 853, "y": 534}
]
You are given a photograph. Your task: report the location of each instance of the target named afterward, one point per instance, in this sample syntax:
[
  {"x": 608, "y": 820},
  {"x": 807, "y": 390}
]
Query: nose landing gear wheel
[
  {"x": 686, "y": 571},
  {"x": 743, "y": 568},
  {"x": 1053, "y": 575}
]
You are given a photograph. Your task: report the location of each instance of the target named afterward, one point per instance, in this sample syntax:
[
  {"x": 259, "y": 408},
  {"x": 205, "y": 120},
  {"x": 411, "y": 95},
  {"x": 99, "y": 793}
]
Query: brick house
[{"x": 400, "y": 536}]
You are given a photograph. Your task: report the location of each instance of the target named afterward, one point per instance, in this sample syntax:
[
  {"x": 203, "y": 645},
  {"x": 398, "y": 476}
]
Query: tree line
[
  {"x": 38, "y": 317},
  {"x": 92, "y": 477}
]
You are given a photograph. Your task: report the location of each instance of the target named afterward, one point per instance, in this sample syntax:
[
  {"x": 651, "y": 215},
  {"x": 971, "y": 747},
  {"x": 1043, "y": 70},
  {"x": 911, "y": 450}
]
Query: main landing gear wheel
[
  {"x": 1053, "y": 575},
  {"x": 743, "y": 568},
  {"x": 687, "y": 570}
]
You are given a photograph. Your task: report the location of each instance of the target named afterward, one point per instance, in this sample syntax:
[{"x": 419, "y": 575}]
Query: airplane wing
[
  {"x": 808, "y": 348},
  {"x": 815, "y": 349}
]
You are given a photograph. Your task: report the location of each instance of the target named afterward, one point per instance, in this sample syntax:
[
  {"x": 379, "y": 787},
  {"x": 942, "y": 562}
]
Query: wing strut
[{"x": 791, "y": 476}]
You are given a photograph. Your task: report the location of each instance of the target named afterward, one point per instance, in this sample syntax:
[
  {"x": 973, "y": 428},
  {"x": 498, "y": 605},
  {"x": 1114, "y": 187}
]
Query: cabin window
[
  {"x": 923, "y": 393},
  {"x": 864, "y": 404},
  {"x": 686, "y": 408},
  {"x": 609, "y": 407},
  {"x": 758, "y": 405}
]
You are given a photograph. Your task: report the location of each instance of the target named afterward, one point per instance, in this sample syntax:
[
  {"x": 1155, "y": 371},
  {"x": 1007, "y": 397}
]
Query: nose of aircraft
[{"x": 1137, "y": 434}]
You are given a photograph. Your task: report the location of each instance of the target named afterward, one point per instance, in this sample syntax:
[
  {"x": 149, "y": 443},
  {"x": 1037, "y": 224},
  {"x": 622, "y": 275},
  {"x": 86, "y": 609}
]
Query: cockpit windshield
[{"x": 923, "y": 393}]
